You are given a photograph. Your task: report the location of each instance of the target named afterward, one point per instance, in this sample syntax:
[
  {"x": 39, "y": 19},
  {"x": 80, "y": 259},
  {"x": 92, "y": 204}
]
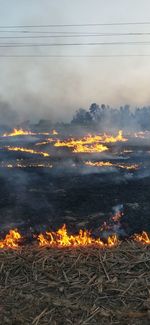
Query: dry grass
[{"x": 87, "y": 286}]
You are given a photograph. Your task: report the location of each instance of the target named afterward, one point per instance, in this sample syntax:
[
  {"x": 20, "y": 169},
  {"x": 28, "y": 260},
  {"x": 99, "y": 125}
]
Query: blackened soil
[{"x": 36, "y": 199}]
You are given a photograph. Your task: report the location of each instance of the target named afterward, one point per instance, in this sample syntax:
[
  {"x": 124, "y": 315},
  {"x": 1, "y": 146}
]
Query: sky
[{"x": 52, "y": 87}]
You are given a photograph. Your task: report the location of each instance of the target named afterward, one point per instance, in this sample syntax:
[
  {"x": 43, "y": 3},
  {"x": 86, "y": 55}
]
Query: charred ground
[{"x": 34, "y": 198}]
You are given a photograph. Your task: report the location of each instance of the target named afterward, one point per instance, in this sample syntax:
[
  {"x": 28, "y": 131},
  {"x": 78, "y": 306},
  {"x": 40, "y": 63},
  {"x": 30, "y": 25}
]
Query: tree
[{"x": 82, "y": 117}]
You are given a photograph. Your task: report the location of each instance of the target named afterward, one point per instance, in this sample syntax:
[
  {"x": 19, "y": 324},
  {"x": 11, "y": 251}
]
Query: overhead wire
[
  {"x": 76, "y": 35},
  {"x": 72, "y": 56},
  {"x": 78, "y": 25},
  {"x": 43, "y": 34},
  {"x": 73, "y": 44}
]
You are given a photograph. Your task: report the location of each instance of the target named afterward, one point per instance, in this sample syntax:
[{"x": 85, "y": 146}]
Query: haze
[{"x": 55, "y": 87}]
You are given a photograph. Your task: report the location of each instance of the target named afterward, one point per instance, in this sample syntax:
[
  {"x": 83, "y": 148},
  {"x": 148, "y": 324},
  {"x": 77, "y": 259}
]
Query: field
[
  {"x": 48, "y": 183},
  {"x": 75, "y": 286},
  {"x": 41, "y": 192}
]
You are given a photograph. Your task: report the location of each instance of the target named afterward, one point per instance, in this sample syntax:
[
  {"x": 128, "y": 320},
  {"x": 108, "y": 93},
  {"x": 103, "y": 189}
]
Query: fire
[
  {"x": 90, "y": 139},
  {"x": 17, "y": 132},
  {"x": 61, "y": 238},
  {"x": 143, "y": 238},
  {"x": 90, "y": 149},
  {"x": 49, "y": 140},
  {"x": 91, "y": 143},
  {"x": 42, "y": 143},
  {"x": 112, "y": 139},
  {"x": 54, "y": 132},
  {"x": 11, "y": 240},
  {"x": 27, "y": 165},
  {"x": 75, "y": 142},
  {"x": 109, "y": 164},
  {"x": 128, "y": 167},
  {"x": 27, "y": 150},
  {"x": 99, "y": 164}
]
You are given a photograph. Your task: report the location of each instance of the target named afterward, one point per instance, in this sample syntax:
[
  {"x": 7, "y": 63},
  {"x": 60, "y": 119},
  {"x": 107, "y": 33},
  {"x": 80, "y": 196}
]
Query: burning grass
[
  {"x": 87, "y": 285},
  {"x": 110, "y": 164},
  {"x": 61, "y": 238},
  {"x": 91, "y": 143},
  {"x": 18, "y": 132},
  {"x": 27, "y": 150}
]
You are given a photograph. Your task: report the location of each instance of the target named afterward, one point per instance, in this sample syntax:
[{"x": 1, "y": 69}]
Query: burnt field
[
  {"x": 94, "y": 270},
  {"x": 80, "y": 189}
]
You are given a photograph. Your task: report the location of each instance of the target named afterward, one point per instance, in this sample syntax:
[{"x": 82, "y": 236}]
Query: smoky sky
[{"x": 55, "y": 87}]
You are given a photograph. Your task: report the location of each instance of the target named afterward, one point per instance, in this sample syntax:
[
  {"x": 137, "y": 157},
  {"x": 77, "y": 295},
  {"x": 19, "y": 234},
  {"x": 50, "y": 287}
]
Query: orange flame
[
  {"x": 61, "y": 238},
  {"x": 90, "y": 149},
  {"x": 118, "y": 138},
  {"x": 54, "y": 132},
  {"x": 91, "y": 143},
  {"x": 17, "y": 132},
  {"x": 11, "y": 240},
  {"x": 49, "y": 140},
  {"x": 143, "y": 238},
  {"x": 99, "y": 164},
  {"x": 109, "y": 164},
  {"x": 90, "y": 139},
  {"x": 27, "y": 150}
]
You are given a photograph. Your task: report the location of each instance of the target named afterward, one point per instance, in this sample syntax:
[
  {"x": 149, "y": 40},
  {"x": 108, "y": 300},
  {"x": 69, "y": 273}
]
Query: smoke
[
  {"x": 54, "y": 88},
  {"x": 8, "y": 116}
]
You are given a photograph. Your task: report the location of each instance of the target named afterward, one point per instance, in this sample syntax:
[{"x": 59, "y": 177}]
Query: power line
[
  {"x": 72, "y": 44},
  {"x": 78, "y": 25},
  {"x": 75, "y": 35},
  {"x": 72, "y": 56}
]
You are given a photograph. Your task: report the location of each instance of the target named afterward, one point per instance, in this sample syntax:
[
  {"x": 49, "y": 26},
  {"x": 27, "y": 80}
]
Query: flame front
[
  {"x": 54, "y": 132},
  {"x": 17, "y": 132},
  {"x": 91, "y": 143},
  {"x": 90, "y": 149},
  {"x": 109, "y": 164},
  {"x": 11, "y": 240},
  {"x": 112, "y": 139},
  {"x": 143, "y": 238},
  {"x": 27, "y": 150},
  {"x": 61, "y": 238}
]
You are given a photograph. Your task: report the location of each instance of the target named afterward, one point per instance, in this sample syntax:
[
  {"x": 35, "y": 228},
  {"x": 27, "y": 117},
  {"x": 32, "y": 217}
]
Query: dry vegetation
[{"x": 85, "y": 286}]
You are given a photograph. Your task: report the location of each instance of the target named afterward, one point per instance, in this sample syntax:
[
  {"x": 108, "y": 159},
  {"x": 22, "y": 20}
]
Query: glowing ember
[
  {"x": 27, "y": 150},
  {"x": 128, "y": 167},
  {"x": 17, "y": 132},
  {"x": 30, "y": 165},
  {"x": 143, "y": 238},
  {"x": 109, "y": 164},
  {"x": 49, "y": 140},
  {"x": 61, "y": 238},
  {"x": 42, "y": 143},
  {"x": 99, "y": 164},
  {"x": 11, "y": 240}
]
